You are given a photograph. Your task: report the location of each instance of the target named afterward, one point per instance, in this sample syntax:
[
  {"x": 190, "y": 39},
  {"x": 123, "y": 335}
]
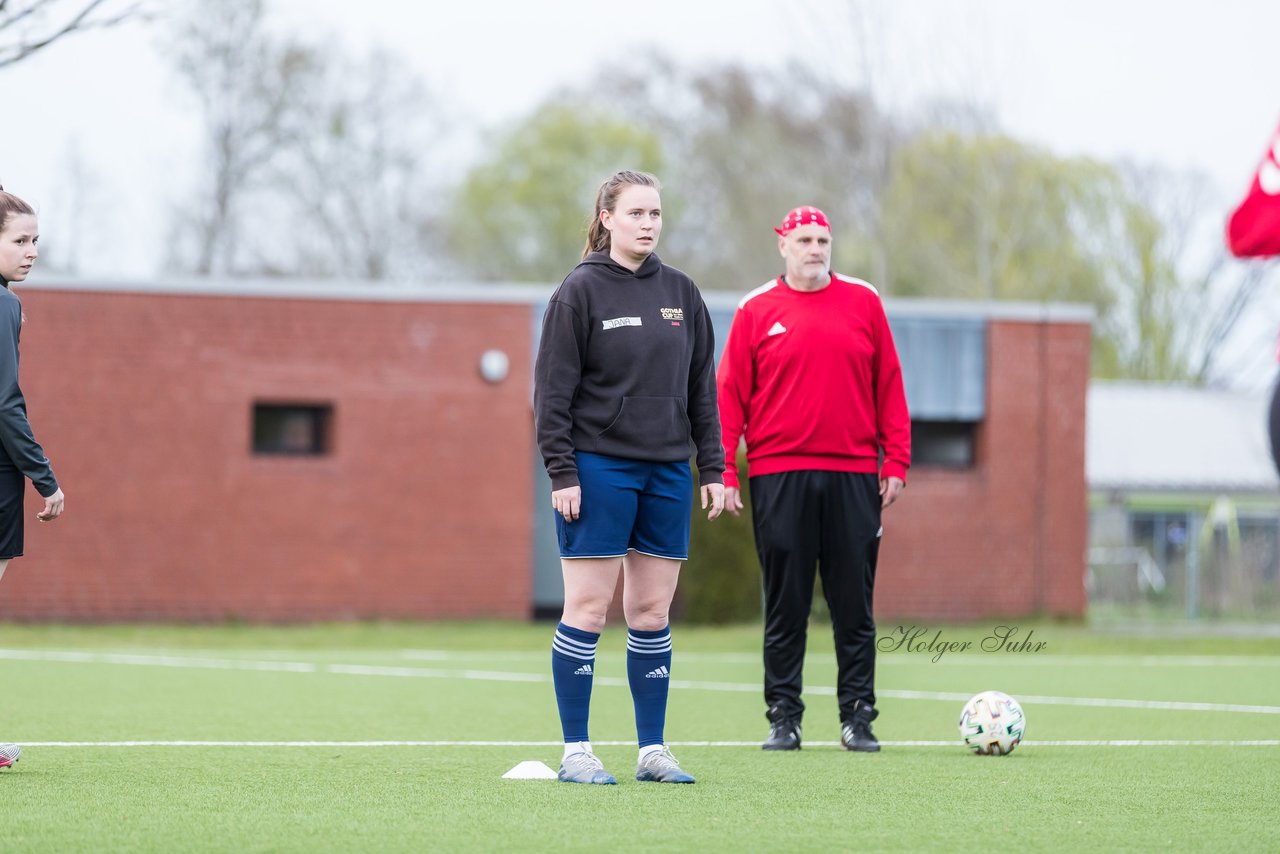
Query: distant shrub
[{"x": 721, "y": 581}]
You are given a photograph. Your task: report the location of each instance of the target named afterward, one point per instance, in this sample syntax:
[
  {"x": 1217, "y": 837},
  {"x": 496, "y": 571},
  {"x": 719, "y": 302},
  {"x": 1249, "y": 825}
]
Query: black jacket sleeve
[
  {"x": 556, "y": 375},
  {"x": 15, "y": 431},
  {"x": 704, "y": 413}
]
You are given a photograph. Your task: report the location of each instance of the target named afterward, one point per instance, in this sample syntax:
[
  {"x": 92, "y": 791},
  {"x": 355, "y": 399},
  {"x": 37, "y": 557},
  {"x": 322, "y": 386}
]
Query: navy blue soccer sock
[
  {"x": 649, "y": 672},
  {"x": 573, "y": 660}
]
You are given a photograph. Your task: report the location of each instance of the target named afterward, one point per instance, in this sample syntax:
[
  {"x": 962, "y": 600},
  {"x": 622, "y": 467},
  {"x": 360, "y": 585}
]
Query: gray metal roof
[
  {"x": 1172, "y": 438},
  {"x": 514, "y": 292},
  {"x": 357, "y": 290}
]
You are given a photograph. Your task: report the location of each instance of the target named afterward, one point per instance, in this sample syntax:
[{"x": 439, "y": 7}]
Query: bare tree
[
  {"x": 27, "y": 26},
  {"x": 1182, "y": 298},
  {"x": 865, "y": 46},
  {"x": 1236, "y": 345},
  {"x": 80, "y": 192},
  {"x": 316, "y": 164},
  {"x": 742, "y": 148},
  {"x": 353, "y": 171},
  {"x": 247, "y": 83}
]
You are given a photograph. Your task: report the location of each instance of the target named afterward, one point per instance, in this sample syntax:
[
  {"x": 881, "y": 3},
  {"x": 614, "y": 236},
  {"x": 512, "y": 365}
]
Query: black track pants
[
  {"x": 808, "y": 520},
  {"x": 1275, "y": 425}
]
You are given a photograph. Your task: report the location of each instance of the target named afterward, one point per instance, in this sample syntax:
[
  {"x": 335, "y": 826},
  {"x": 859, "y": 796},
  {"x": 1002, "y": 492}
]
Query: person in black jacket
[
  {"x": 21, "y": 457},
  {"x": 624, "y": 391}
]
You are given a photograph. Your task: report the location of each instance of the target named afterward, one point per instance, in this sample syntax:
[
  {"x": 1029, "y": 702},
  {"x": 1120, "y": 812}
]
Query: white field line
[
  {"x": 191, "y": 662},
  {"x": 1009, "y": 659},
  {"x": 132, "y": 659},
  {"x": 541, "y": 656},
  {"x": 895, "y": 658},
  {"x": 1094, "y": 701},
  {"x": 955, "y": 744}
]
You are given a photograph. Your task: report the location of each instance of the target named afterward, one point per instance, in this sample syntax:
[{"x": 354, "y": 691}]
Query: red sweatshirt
[{"x": 813, "y": 379}]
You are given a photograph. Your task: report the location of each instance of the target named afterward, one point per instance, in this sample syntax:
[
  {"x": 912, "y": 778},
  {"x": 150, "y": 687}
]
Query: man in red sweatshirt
[{"x": 811, "y": 377}]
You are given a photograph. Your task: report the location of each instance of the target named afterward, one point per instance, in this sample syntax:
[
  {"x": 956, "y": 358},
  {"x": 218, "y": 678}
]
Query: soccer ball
[{"x": 991, "y": 723}]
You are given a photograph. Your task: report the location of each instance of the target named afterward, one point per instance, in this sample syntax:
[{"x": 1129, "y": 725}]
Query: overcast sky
[{"x": 1195, "y": 89}]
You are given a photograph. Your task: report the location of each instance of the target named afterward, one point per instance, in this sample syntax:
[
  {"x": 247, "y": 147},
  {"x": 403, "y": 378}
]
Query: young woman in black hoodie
[
  {"x": 624, "y": 393},
  {"x": 20, "y": 455}
]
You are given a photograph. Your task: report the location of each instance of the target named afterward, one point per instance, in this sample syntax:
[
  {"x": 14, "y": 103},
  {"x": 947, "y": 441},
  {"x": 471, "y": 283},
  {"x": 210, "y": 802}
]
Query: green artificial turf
[{"x": 480, "y": 696}]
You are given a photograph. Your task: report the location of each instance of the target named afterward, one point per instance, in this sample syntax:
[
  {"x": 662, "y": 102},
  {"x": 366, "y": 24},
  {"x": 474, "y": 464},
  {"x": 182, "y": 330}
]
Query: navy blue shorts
[
  {"x": 13, "y": 487},
  {"x": 629, "y": 504}
]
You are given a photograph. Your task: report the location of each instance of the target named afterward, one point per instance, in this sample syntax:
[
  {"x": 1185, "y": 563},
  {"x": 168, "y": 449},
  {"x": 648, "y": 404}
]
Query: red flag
[{"x": 1254, "y": 229}]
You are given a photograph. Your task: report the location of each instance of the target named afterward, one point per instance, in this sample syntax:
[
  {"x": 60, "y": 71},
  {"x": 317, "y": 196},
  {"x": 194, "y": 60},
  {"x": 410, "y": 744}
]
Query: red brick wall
[
  {"x": 143, "y": 403},
  {"x": 423, "y": 508},
  {"x": 1008, "y": 537}
]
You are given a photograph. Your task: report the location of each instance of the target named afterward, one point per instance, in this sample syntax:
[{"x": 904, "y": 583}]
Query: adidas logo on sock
[
  {"x": 584, "y": 670},
  {"x": 660, "y": 673}
]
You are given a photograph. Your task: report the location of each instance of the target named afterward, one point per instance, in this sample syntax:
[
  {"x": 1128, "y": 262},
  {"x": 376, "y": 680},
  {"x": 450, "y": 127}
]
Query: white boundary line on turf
[
  {"x": 1006, "y": 659},
  {"x": 1172, "y": 705},
  {"x": 134, "y": 659},
  {"x": 923, "y": 657},
  {"x": 139, "y": 659},
  {"x": 557, "y": 744}
]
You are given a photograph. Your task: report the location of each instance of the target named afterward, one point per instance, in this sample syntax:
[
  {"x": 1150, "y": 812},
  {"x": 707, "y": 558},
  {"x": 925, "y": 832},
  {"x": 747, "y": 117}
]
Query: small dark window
[
  {"x": 945, "y": 444},
  {"x": 291, "y": 428}
]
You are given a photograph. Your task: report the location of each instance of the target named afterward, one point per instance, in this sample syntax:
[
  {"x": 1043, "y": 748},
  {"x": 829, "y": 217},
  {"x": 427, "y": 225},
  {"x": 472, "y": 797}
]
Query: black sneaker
[
  {"x": 784, "y": 733},
  {"x": 855, "y": 733}
]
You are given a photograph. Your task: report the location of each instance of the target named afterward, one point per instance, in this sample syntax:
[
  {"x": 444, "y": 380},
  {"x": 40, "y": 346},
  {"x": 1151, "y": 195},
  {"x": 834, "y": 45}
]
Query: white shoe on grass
[
  {"x": 584, "y": 767},
  {"x": 661, "y": 767}
]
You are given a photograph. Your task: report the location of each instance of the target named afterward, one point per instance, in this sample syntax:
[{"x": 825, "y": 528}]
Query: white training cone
[{"x": 530, "y": 770}]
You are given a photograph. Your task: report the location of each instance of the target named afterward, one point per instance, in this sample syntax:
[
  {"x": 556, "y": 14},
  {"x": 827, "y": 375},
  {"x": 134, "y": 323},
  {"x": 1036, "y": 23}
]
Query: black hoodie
[
  {"x": 16, "y": 440},
  {"x": 626, "y": 367}
]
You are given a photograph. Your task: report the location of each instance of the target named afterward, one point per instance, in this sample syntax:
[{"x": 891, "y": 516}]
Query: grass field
[{"x": 395, "y": 738}]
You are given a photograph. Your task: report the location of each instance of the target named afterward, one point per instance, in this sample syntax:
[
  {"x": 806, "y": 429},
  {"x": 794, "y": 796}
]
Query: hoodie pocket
[{"x": 651, "y": 425}]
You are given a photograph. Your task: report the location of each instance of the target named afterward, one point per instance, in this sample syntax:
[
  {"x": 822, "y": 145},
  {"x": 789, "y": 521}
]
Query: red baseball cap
[{"x": 804, "y": 215}]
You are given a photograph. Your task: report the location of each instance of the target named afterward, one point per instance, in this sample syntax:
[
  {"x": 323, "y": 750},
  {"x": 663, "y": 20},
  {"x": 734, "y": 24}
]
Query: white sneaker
[
  {"x": 661, "y": 767},
  {"x": 584, "y": 768},
  {"x": 9, "y": 754}
]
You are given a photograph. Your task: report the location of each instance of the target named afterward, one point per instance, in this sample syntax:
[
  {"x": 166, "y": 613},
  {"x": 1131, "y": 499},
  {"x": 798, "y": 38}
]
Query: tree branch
[{"x": 81, "y": 22}]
